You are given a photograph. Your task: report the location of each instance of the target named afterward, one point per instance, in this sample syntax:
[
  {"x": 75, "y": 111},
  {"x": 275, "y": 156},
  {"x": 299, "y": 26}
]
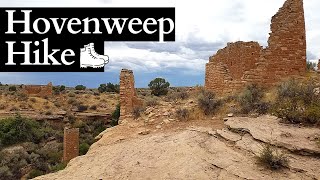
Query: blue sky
[{"x": 199, "y": 35}]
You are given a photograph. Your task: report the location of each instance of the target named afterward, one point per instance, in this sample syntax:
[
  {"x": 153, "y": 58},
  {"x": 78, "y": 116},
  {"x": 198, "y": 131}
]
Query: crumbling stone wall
[
  {"x": 241, "y": 63},
  {"x": 128, "y": 95},
  {"x": 225, "y": 70},
  {"x": 70, "y": 143},
  {"x": 38, "y": 90}
]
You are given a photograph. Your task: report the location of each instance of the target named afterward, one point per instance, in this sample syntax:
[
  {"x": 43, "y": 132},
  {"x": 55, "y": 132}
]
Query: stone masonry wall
[
  {"x": 246, "y": 62},
  {"x": 70, "y": 144},
  {"x": 128, "y": 95},
  {"x": 225, "y": 70},
  {"x": 40, "y": 91}
]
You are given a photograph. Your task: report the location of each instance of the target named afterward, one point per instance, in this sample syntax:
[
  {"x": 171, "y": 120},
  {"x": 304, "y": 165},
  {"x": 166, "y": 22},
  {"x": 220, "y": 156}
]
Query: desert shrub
[
  {"x": 35, "y": 173},
  {"x": 54, "y": 157},
  {"x": 93, "y": 107},
  {"x": 208, "y": 103},
  {"x": 72, "y": 101},
  {"x": 82, "y": 108},
  {"x": 34, "y": 100},
  {"x": 98, "y": 126},
  {"x": 109, "y": 87},
  {"x": 159, "y": 86},
  {"x": 12, "y": 88},
  {"x": 183, "y": 95},
  {"x": 5, "y": 172},
  {"x": 115, "y": 116},
  {"x": 71, "y": 118},
  {"x": 250, "y": 99},
  {"x": 83, "y": 148},
  {"x": 80, "y": 87},
  {"x": 57, "y": 104},
  {"x": 152, "y": 102},
  {"x": 59, "y": 167},
  {"x": 271, "y": 159},
  {"x": 19, "y": 129},
  {"x": 297, "y": 103},
  {"x": 62, "y": 88},
  {"x": 58, "y": 89},
  {"x": 182, "y": 114},
  {"x": 137, "y": 112},
  {"x": 311, "y": 66},
  {"x": 72, "y": 94},
  {"x": 48, "y": 113},
  {"x": 22, "y": 97}
]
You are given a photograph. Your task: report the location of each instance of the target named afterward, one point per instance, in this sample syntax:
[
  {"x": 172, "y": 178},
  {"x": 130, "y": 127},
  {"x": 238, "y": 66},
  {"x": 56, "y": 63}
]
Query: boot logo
[{"x": 90, "y": 58}]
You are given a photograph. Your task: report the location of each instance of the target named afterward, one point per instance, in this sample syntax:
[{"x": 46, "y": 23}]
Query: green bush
[
  {"x": 12, "y": 88},
  {"x": 109, "y": 87},
  {"x": 35, "y": 173},
  {"x": 58, "y": 89},
  {"x": 297, "y": 103},
  {"x": 271, "y": 159},
  {"x": 311, "y": 66},
  {"x": 250, "y": 99},
  {"x": 208, "y": 103},
  {"x": 115, "y": 115},
  {"x": 83, "y": 148},
  {"x": 19, "y": 129},
  {"x": 59, "y": 167},
  {"x": 80, "y": 87},
  {"x": 159, "y": 86}
]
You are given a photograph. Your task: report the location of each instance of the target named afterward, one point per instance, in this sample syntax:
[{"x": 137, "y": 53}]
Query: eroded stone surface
[
  {"x": 269, "y": 130},
  {"x": 228, "y": 135}
]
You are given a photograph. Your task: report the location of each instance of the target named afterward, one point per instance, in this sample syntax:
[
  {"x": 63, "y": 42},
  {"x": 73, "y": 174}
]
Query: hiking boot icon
[{"x": 90, "y": 58}]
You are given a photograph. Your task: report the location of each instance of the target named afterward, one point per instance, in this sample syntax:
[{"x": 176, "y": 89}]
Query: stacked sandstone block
[
  {"x": 241, "y": 63},
  {"x": 128, "y": 95},
  {"x": 70, "y": 143}
]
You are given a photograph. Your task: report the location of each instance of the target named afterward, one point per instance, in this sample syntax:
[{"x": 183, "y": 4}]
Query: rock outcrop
[
  {"x": 198, "y": 153},
  {"x": 241, "y": 63}
]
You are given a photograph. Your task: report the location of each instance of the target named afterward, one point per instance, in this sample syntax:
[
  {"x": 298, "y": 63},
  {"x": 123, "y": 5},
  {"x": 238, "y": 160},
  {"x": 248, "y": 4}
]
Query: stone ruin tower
[
  {"x": 70, "y": 143},
  {"x": 128, "y": 95},
  {"x": 240, "y": 63}
]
